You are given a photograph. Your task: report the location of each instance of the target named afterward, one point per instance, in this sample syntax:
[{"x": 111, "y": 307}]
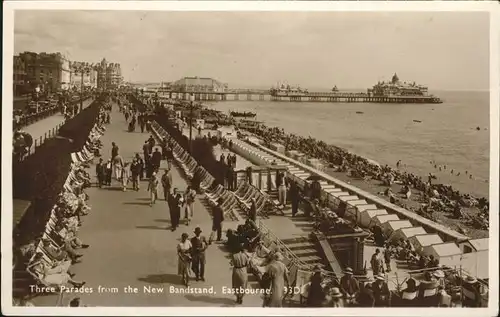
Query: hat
[
  {"x": 470, "y": 280},
  {"x": 335, "y": 292},
  {"x": 154, "y": 174},
  {"x": 197, "y": 229},
  {"x": 348, "y": 270},
  {"x": 380, "y": 277},
  {"x": 438, "y": 274},
  {"x": 411, "y": 282}
]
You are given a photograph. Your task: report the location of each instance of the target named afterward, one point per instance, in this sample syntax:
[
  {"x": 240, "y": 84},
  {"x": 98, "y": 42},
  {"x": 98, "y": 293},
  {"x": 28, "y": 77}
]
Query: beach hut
[
  {"x": 406, "y": 233},
  {"x": 421, "y": 241},
  {"x": 448, "y": 253},
  {"x": 390, "y": 227},
  {"x": 475, "y": 257},
  {"x": 348, "y": 198},
  {"x": 379, "y": 220},
  {"x": 366, "y": 216},
  {"x": 352, "y": 210}
]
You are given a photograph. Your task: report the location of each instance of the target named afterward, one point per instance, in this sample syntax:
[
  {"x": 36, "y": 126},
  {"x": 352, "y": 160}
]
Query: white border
[{"x": 8, "y": 28}]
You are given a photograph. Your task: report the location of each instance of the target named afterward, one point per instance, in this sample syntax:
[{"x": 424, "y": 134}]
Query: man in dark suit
[
  {"x": 175, "y": 202},
  {"x": 217, "y": 219},
  {"x": 199, "y": 244},
  {"x": 156, "y": 160}
]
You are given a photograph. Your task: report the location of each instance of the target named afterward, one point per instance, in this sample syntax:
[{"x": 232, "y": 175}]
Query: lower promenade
[{"x": 131, "y": 244}]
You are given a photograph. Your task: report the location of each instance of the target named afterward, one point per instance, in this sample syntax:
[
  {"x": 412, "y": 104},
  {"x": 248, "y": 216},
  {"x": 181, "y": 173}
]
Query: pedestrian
[
  {"x": 184, "y": 258},
  {"x": 151, "y": 142},
  {"x": 189, "y": 197},
  {"x": 278, "y": 273},
  {"x": 141, "y": 122},
  {"x": 114, "y": 150},
  {"x": 156, "y": 160},
  {"x": 387, "y": 258},
  {"x": 118, "y": 166},
  {"x": 217, "y": 219},
  {"x": 376, "y": 263},
  {"x": 100, "y": 171},
  {"x": 145, "y": 149},
  {"x": 349, "y": 286},
  {"x": 125, "y": 176},
  {"x": 230, "y": 177},
  {"x": 249, "y": 174},
  {"x": 316, "y": 295},
  {"x": 282, "y": 190},
  {"x": 381, "y": 291},
  {"x": 170, "y": 156},
  {"x": 294, "y": 198},
  {"x": 240, "y": 262},
  {"x": 108, "y": 172},
  {"x": 199, "y": 244},
  {"x": 337, "y": 300},
  {"x": 164, "y": 145},
  {"x": 135, "y": 170},
  {"x": 175, "y": 204},
  {"x": 166, "y": 183},
  {"x": 153, "y": 188}
]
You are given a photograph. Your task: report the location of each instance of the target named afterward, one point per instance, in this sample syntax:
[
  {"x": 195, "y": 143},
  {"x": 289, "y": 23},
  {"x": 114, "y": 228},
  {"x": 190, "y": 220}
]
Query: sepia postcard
[{"x": 250, "y": 158}]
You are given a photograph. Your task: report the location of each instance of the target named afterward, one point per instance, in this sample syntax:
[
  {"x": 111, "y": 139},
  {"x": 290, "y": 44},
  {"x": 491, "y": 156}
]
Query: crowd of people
[
  {"x": 48, "y": 257},
  {"x": 434, "y": 197}
]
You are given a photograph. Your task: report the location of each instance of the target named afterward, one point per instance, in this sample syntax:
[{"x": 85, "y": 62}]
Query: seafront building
[
  {"x": 53, "y": 72},
  {"x": 48, "y": 71},
  {"x": 198, "y": 84}
]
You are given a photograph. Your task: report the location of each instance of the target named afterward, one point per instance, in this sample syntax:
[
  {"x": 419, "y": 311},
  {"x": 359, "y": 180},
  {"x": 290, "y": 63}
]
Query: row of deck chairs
[
  {"x": 55, "y": 237},
  {"x": 246, "y": 192},
  {"x": 88, "y": 152},
  {"x": 189, "y": 167}
]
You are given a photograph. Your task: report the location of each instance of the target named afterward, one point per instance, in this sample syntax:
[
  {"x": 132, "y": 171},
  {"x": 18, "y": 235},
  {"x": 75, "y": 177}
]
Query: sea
[{"x": 445, "y": 135}]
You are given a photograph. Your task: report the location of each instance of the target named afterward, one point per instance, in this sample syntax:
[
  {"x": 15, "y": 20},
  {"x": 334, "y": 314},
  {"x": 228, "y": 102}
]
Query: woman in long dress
[
  {"x": 184, "y": 253},
  {"x": 278, "y": 273},
  {"x": 189, "y": 198},
  {"x": 153, "y": 188},
  {"x": 240, "y": 263},
  {"x": 125, "y": 176}
]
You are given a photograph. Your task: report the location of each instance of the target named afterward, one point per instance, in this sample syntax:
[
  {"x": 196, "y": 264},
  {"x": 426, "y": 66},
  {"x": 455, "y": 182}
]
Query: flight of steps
[{"x": 306, "y": 250}]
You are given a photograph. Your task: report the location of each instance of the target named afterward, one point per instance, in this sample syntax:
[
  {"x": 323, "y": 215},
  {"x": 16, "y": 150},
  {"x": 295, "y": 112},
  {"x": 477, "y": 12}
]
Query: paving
[
  {"x": 132, "y": 244},
  {"x": 40, "y": 129}
]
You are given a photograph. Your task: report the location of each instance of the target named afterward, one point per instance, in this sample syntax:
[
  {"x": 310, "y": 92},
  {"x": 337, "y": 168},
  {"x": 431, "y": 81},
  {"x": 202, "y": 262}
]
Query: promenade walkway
[
  {"x": 40, "y": 129},
  {"x": 131, "y": 243}
]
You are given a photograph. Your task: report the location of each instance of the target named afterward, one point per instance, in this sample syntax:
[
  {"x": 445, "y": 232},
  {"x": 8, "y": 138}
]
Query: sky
[{"x": 443, "y": 50}]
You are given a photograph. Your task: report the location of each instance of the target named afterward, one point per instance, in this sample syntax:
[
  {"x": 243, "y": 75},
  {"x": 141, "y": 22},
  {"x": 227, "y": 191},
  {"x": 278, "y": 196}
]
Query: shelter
[
  {"x": 448, "y": 254},
  {"x": 406, "y": 233},
  {"x": 379, "y": 220},
  {"x": 390, "y": 227},
  {"x": 366, "y": 217},
  {"x": 475, "y": 258},
  {"x": 421, "y": 241}
]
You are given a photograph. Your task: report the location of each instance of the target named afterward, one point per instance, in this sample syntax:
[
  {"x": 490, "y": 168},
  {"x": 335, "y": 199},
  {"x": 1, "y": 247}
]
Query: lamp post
[
  {"x": 82, "y": 68},
  {"x": 191, "y": 98}
]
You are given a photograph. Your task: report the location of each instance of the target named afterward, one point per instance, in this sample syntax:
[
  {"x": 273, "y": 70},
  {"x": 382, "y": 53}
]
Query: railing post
[
  {"x": 36, "y": 142},
  {"x": 40, "y": 140}
]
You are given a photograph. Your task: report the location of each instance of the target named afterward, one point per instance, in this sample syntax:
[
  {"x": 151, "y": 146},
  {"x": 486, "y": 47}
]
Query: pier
[{"x": 267, "y": 95}]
